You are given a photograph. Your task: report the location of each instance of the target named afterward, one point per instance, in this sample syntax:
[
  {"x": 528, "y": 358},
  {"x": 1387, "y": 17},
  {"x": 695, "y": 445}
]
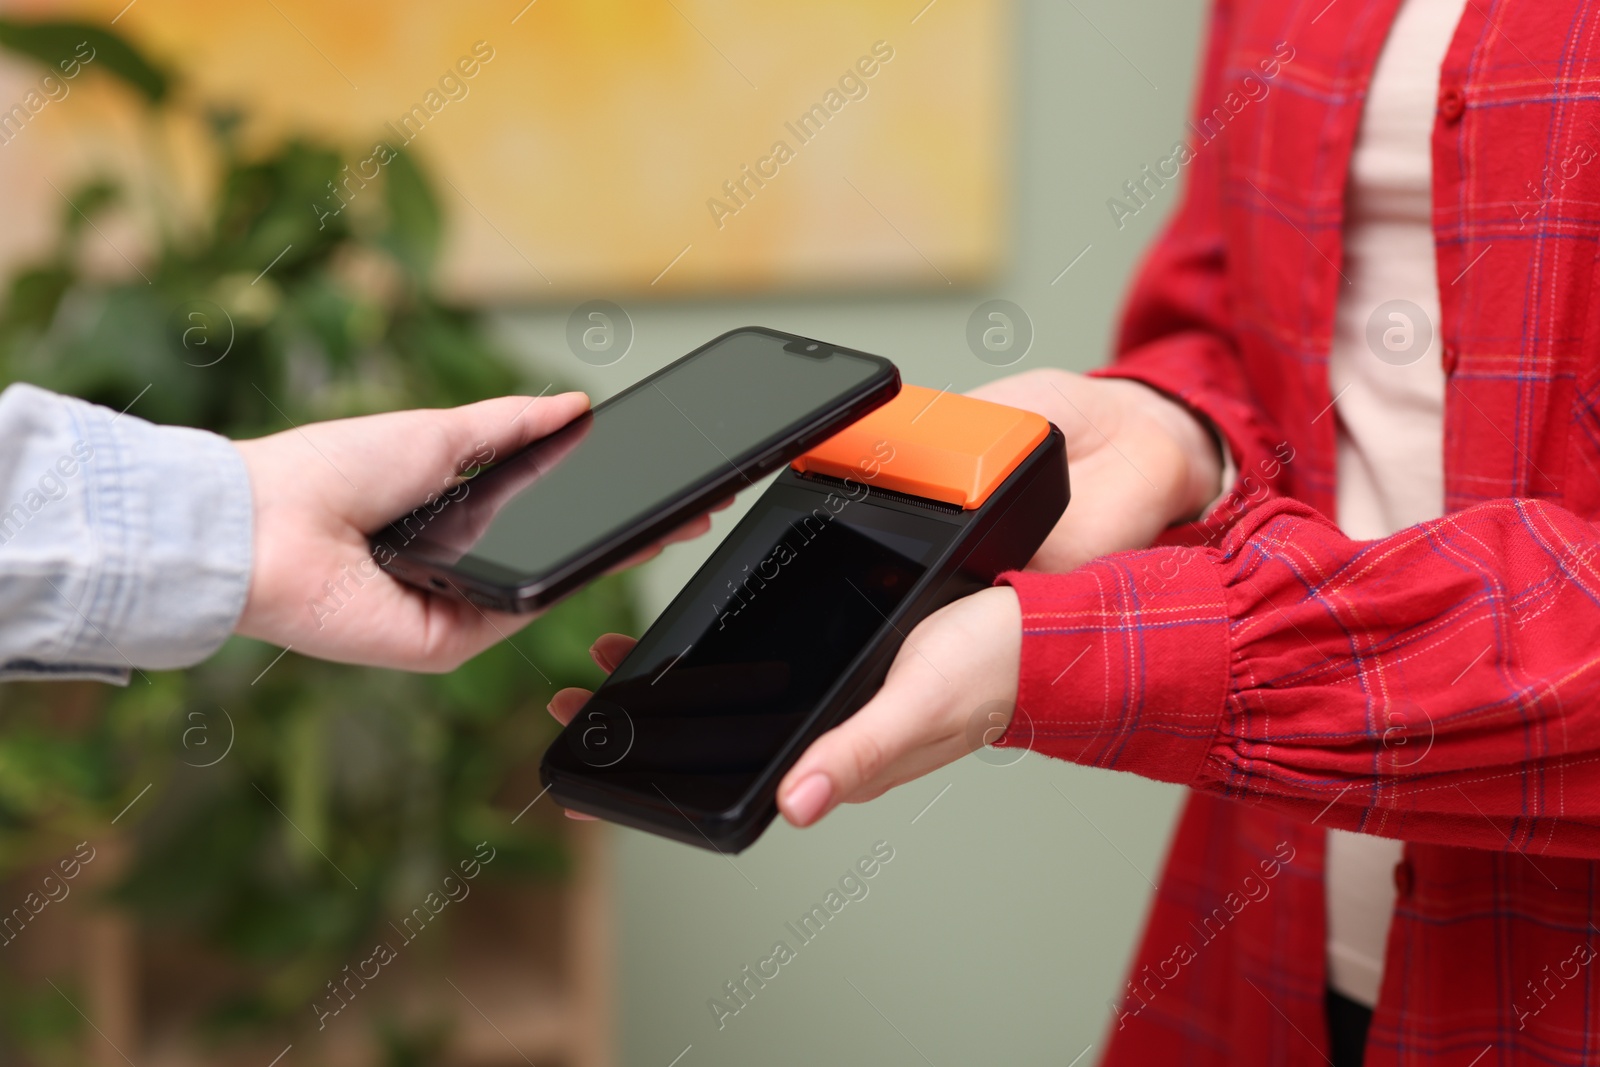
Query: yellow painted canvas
[{"x": 592, "y": 147}]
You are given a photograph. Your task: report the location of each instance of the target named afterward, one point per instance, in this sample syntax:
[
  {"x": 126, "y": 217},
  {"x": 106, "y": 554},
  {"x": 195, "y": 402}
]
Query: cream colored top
[{"x": 1388, "y": 386}]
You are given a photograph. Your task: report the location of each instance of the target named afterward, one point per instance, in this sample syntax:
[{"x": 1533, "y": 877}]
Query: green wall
[{"x": 1000, "y": 929}]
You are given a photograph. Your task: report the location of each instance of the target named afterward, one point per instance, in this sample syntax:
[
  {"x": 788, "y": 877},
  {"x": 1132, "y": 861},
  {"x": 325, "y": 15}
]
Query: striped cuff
[{"x": 1125, "y": 662}]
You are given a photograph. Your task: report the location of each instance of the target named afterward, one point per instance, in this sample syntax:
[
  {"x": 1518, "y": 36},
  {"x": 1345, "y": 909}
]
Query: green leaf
[
  {"x": 68, "y": 46},
  {"x": 415, "y": 222},
  {"x": 87, "y": 200},
  {"x": 35, "y": 294}
]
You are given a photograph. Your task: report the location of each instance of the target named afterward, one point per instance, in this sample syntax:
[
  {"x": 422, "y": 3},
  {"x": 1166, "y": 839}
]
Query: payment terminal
[{"x": 791, "y": 624}]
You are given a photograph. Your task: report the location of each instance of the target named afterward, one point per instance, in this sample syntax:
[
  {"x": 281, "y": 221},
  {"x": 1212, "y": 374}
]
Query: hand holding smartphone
[{"x": 541, "y": 523}]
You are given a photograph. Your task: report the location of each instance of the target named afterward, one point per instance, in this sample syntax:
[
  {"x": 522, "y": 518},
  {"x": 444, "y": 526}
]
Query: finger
[
  {"x": 644, "y": 555},
  {"x": 567, "y": 703},
  {"x": 404, "y": 628},
  {"x": 610, "y": 650},
  {"x": 689, "y": 530},
  {"x": 578, "y": 816}
]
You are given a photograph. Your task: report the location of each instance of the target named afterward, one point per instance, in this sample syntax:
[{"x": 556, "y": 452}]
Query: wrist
[
  {"x": 263, "y": 616},
  {"x": 1200, "y": 449},
  {"x": 1001, "y": 625}
]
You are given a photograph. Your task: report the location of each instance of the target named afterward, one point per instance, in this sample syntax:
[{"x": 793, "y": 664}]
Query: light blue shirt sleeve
[{"x": 123, "y": 545}]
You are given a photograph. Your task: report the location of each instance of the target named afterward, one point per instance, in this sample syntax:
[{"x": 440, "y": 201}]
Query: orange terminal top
[{"x": 937, "y": 445}]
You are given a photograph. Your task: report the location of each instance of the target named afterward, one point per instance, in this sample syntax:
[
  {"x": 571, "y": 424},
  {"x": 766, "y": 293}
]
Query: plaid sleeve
[{"x": 1440, "y": 685}]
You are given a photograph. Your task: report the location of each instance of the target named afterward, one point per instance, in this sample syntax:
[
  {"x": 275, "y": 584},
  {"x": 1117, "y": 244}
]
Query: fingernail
[
  {"x": 805, "y": 802},
  {"x": 600, "y": 659},
  {"x": 578, "y": 816}
]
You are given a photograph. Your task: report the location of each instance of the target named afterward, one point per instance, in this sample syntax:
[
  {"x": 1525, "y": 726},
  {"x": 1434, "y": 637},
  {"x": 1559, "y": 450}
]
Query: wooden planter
[{"x": 521, "y": 975}]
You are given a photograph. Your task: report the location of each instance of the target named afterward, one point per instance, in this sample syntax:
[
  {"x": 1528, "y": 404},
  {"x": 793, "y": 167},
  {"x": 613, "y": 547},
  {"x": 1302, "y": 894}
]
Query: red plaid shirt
[{"x": 1441, "y": 686}]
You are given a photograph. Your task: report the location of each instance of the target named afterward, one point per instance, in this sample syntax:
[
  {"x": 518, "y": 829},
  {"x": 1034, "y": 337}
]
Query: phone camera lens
[{"x": 811, "y": 348}]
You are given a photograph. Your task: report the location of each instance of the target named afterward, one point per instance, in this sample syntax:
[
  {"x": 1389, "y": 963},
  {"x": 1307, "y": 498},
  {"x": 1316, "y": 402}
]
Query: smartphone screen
[
  {"x": 749, "y": 649},
  {"x": 709, "y": 416}
]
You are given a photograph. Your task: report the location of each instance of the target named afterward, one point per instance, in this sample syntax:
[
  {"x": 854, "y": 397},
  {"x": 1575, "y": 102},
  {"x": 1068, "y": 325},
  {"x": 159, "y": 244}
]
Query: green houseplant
[{"x": 294, "y": 806}]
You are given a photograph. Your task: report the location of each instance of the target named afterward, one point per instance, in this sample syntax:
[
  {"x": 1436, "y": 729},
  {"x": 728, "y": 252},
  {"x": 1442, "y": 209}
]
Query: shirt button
[
  {"x": 1450, "y": 359},
  {"x": 1452, "y": 104},
  {"x": 1404, "y": 878}
]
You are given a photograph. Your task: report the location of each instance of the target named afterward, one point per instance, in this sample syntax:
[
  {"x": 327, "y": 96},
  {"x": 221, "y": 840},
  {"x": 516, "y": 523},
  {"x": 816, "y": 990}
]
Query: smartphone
[
  {"x": 791, "y": 624},
  {"x": 535, "y": 525}
]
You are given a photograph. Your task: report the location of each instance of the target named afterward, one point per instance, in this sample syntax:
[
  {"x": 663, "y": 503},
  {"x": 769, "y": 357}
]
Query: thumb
[
  {"x": 394, "y": 461},
  {"x": 509, "y": 422},
  {"x": 855, "y": 759},
  {"x": 921, "y": 719}
]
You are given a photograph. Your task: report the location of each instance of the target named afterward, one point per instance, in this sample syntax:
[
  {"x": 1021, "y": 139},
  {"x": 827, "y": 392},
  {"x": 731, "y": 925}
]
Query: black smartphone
[
  {"x": 786, "y": 630},
  {"x": 536, "y": 525}
]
